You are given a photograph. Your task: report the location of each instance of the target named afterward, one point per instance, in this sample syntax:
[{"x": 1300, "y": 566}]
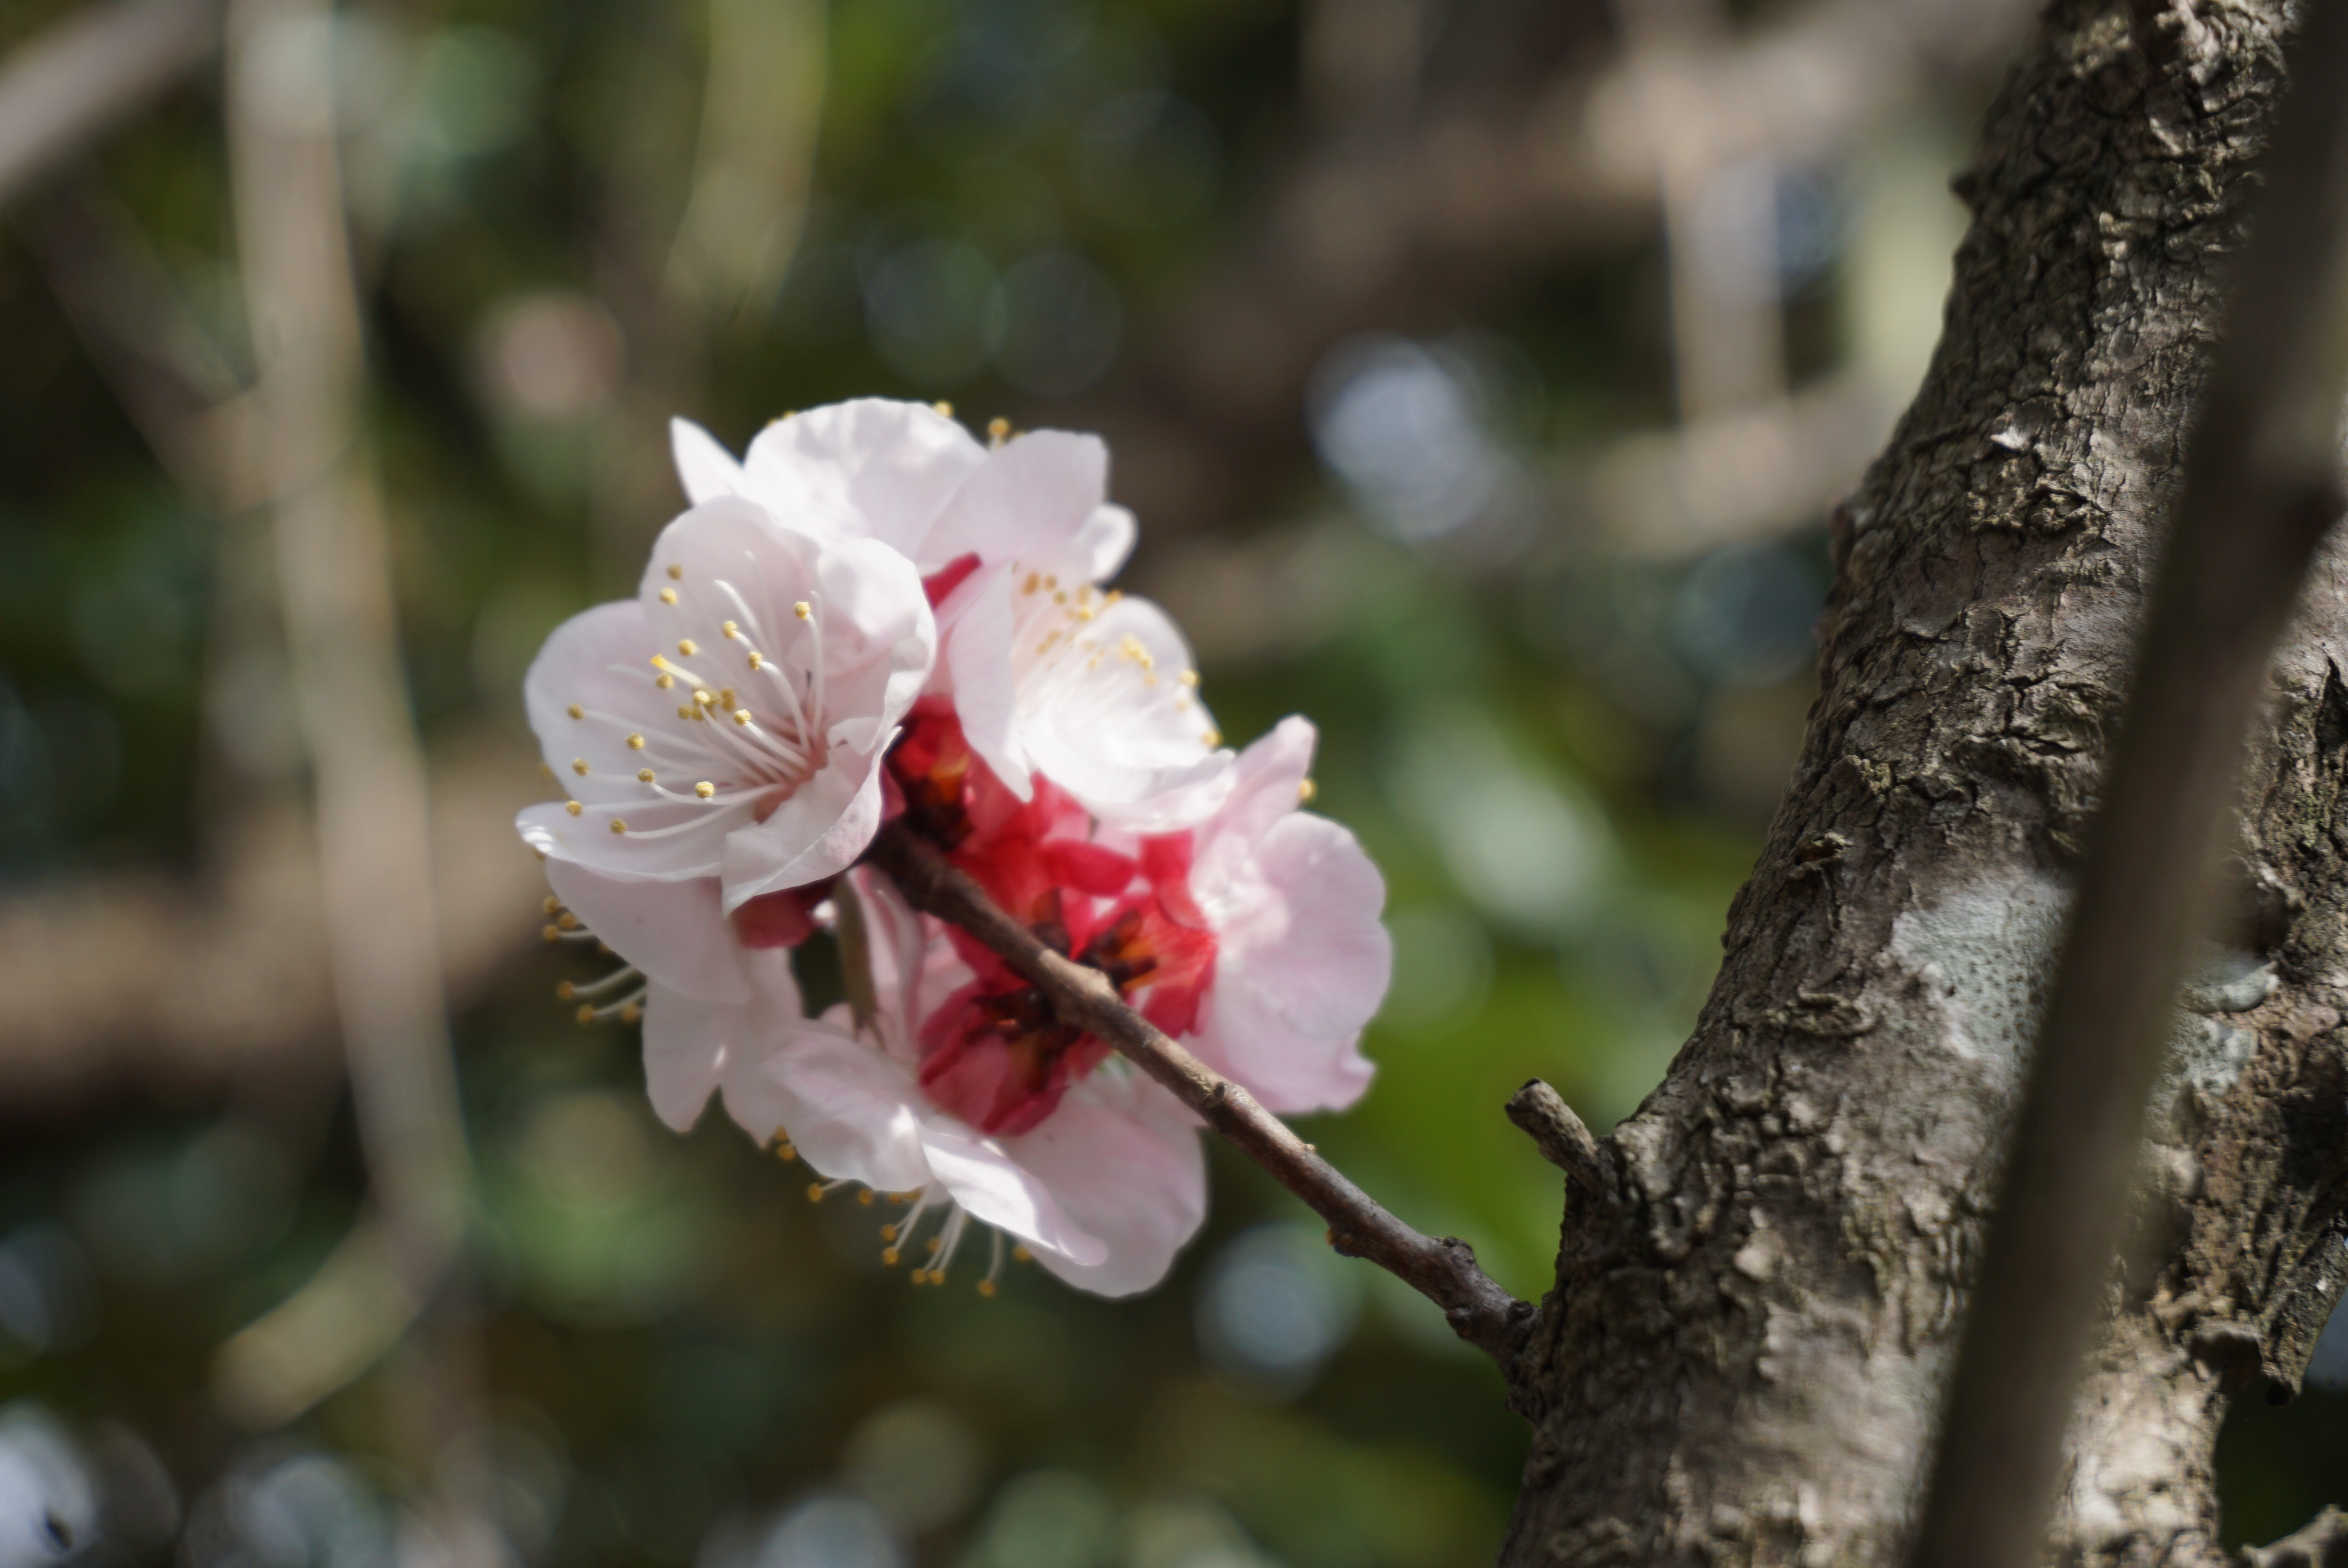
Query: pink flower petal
[
  {"x": 1121, "y": 1160},
  {"x": 1303, "y": 929}
]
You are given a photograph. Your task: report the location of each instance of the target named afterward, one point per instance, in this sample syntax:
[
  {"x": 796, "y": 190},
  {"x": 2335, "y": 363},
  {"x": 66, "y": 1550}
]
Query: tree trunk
[{"x": 1743, "y": 1356}]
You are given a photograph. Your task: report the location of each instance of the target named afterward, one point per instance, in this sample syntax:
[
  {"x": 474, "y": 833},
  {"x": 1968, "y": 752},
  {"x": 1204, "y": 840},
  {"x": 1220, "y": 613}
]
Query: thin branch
[
  {"x": 2321, "y": 1542},
  {"x": 65, "y": 86},
  {"x": 1441, "y": 1269},
  {"x": 2261, "y": 489},
  {"x": 1561, "y": 1136}
]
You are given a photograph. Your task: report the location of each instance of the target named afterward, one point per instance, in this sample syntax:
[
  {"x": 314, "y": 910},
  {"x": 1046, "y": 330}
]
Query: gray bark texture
[{"x": 1742, "y": 1359}]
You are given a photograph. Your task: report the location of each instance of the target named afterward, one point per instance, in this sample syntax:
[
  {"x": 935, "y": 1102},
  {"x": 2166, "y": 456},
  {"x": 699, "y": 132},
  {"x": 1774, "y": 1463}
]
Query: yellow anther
[
  {"x": 946, "y": 409},
  {"x": 815, "y": 1192},
  {"x": 552, "y": 933},
  {"x": 757, "y": 662},
  {"x": 668, "y": 596},
  {"x": 635, "y": 743},
  {"x": 565, "y": 991},
  {"x": 665, "y": 681},
  {"x": 704, "y": 789},
  {"x": 1035, "y": 580},
  {"x": 1061, "y": 597},
  {"x": 687, "y": 646},
  {"x": 630, "y": 1012},
  {"x": 741, "y": 715},
  {"x": 920, "y": 1276},
  {"x": 803, "y": 610},
  {"x": 888, "y": 1232},
  {"x": 585, "y": 1014},
  {"x": 544, "y": 772},
  {"x": 1212, "y": 737},
  {"x": 786, "y": 1151},
  {"x": 725, "y": 696},
  {"x": 618, "y": 826},
  {"x": 888, "y": 1256},
  {"x": 660, "y": 660},
  {"x": 552, "y": 906},
  {"x": 998, "y": 430},
  {"x": 579, "y": 766},
  {"x": 677, "y": 573},
  {"x": 1113, "y": 596},
  {"x": 577, "y": 711},
  {"x": 687, "y": 711},
  {"x": 935, "y": 1244},
  {"x": 1051, "y": 581},
  {"x": 1021, "y": 1254},
  {"x": 731, "y": 629},
  {"x": 574, "y": 807},
  {"x": 987, "y": 1288},
  {"x": 567, "y": 920},
  {"x": 1306, "y": 791},
  {"x": 643, "y": 775},
  {"x": 865, "y": 1197},
  {"x": 703, "y": 698},
  {"x": 1189, "y": 677}
]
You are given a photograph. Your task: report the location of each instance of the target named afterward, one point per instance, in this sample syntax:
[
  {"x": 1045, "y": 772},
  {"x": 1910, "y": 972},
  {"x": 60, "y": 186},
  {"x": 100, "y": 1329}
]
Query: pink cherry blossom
[
  {"x": 729, "y": 720},
  {"x": 1105, "y": 1189},
  {"x": 1049, "y": 673}
]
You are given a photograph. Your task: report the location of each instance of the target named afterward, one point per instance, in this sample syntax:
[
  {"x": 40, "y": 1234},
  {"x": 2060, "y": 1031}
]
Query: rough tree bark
[{"x": 1742, "y": 1357}]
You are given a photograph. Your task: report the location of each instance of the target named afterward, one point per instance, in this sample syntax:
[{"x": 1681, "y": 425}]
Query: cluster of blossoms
[{"x": 874, "y": 616}]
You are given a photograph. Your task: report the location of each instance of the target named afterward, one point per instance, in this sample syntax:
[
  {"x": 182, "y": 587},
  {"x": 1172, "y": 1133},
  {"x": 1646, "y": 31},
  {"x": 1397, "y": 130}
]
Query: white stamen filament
[
  {"x": 948, "y": 1240},
  {"x": 569, "y": 990}
]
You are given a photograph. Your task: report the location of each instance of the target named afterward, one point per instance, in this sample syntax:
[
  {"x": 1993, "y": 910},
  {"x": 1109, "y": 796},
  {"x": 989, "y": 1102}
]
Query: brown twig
[
  {"x": 1441, "y": 1269},
  {"x": 2321, "y": 1542},
  {"x": 1562, "y": 1138},
  {"x": 2262, "y": 488}
]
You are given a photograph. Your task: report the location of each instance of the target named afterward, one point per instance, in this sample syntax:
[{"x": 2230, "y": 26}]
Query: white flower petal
[
  {"x": 848, "y": 1110},
  {"x": 1122, "y": 1161},
  {"x": 978, "y": 661},
  {"x": 1029, "y": 502},
  {"x": 1102, "y": 545},
  {"x": 817, "y": 833},
  {"x": 703, "y": 467},
  {"x": 868, "y": 469},
  {"x": 689, "y": 1043},
  {"x": 999, "y": 1191},
  {"x": 879, "y": 637},
  {"x": 1106, "y": 716},
  {"x": 673, "y": 931}
]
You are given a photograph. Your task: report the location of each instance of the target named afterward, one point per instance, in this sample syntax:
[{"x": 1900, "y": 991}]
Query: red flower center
[{"x": 995, "y": 1053}]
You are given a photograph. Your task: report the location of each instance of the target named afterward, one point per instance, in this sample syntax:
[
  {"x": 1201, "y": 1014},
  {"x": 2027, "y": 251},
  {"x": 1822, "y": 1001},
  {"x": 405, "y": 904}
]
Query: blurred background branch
[
  {"x": 88, "y": 73},
  {"x": 375, "y": 843}
]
